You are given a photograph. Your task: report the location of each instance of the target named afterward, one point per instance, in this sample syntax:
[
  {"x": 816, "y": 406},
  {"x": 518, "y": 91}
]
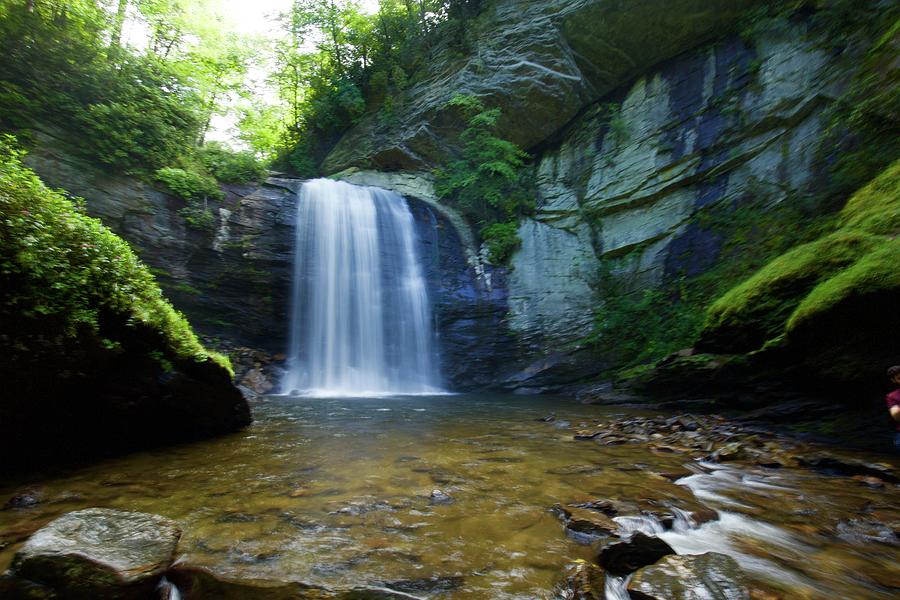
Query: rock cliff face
[
  {"x": 637, "y": 150},
  {"x": 233, "y": 281},
  {"x": 629, "y": 184},
  {"x": 542, "y": 61}
]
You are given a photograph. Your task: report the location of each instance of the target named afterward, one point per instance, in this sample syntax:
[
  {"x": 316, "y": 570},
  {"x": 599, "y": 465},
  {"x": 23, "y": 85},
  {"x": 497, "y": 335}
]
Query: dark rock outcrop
[
  {"x": 641, "y": 550},
  {"x": 232, "y": 281},
  {"x": 122, "y": 403},
  {"x": 97, "y": 361}
]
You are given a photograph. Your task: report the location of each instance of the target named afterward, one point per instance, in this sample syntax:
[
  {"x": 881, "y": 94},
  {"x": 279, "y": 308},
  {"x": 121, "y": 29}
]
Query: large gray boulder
[
  {"x": 690, "y": 577},
  {"x": 99, "y": 553}
]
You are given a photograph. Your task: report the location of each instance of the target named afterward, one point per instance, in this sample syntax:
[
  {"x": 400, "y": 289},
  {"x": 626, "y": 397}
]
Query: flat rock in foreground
[{"x": 100, "y": 553}]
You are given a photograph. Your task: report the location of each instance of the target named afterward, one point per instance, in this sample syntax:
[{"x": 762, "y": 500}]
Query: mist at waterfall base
[{"x": 361, "y": 322}]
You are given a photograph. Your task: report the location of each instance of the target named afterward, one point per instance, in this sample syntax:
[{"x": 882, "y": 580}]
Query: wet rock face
[
  {"x": 541, "y": 61},
  {"x": 232, "y": 281},
  {"x": 641, "y": 550},
  {"x": 468, "y": 306},
  {"x": 690, "y": 577},
  {"x": 99, "y": 553},
  {"x": 583, "y": 581}
]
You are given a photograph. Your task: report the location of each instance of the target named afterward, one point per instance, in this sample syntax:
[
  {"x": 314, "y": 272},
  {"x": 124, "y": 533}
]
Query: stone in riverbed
[
  {"x": 200, "y": 583},
  {"x": 641, "y": 550},
  {"x": 585, "y": 522},
  {"x": 690, "y": 577},
  {"x": 99, "y": 553},
  {"x": 584, "y": 581},
  {"x": 438, "y": 497}
]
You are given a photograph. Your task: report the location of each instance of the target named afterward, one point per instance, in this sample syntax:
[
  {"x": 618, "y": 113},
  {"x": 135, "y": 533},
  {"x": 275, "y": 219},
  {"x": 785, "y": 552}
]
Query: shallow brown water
[{"x": 335, "y": 491}]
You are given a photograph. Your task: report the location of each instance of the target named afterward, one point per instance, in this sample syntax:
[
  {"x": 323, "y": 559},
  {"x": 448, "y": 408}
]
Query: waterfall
[{"x": 361, "y": 321}]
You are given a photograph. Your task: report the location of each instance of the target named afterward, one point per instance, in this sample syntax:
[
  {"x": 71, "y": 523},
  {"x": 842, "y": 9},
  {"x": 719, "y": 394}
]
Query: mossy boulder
[
  {"x": 829, "y": 305},
  {"x": 755, "y": 311},
  {"x": 96, "y": 359}
]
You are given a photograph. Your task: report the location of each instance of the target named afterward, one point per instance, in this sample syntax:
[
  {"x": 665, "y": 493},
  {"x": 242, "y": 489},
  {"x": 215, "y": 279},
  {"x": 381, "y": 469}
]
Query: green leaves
[
  {"x": 488, "y": 183},
  {"x": 188, "y": 184},
  {"x": 64, "y": 275},
  {"x": 231, "y": 167}
]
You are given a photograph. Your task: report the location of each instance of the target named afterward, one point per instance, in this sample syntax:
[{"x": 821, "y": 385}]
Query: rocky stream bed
[{"x": 461, "y": 497}]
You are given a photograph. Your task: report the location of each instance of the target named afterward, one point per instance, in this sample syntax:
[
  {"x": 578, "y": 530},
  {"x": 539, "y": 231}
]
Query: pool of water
[{"x": 344, "y": 491}]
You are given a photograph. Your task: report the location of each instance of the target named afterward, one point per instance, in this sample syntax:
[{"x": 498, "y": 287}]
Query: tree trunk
[{"x": 121, "y": 10}]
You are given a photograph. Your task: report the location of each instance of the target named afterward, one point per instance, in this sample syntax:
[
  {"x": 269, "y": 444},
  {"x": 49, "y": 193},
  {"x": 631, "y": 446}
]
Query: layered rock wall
[
  {"x": 631, "y": 182},
  {"x": 541, "y": 60}
]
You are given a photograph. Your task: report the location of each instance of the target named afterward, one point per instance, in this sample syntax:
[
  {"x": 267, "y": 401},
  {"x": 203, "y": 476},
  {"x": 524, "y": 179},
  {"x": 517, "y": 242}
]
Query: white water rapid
[{"x": 361, "y": 320}]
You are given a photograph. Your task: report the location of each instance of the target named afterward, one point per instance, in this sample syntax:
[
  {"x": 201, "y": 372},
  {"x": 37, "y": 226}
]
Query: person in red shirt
[{"x": 893, "y": 403}]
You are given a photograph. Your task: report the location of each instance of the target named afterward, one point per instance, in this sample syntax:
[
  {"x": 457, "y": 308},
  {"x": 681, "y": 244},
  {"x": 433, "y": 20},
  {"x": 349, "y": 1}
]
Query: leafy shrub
[
  {"x": 501, "y": 239},
  {"x": 136, "y": 135},
  {"x": 228, "y": 166},
  {"x": 68, "y": 276},
  {"x": 489, "y": 183},
  {"x": 198, "y": 217},
  {"x": 189, "y": 185}
]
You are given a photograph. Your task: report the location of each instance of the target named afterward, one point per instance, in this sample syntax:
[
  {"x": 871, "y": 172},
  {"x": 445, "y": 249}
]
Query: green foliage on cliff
[
  {"x": 196, "y": 189},
  {"x": 864, "y": 125},
  {"x": 501, "y": 239},
  {"x": 189, "y": 185},
  {"x": 860, "y": 257},
  {"x": 228, "y": 166},
  {"x": 639, "y": 326},
  {"x": 67, "y": 279},
  {"x": 488, "y": 183}
]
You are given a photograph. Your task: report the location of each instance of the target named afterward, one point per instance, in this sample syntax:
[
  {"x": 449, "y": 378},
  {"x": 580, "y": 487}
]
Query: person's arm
[{"x": 895, "y": 413}]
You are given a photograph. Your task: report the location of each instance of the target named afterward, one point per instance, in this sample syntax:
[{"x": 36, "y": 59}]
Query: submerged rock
[
  {"x": 585, "y": 522},
  {"x": 199, "y": 583},
  {"x": 99, "y": 553},
  {"x": 690, "y": 577},
  {"x": 641, "y": 550},
  {"x": 439, "y": 497}
]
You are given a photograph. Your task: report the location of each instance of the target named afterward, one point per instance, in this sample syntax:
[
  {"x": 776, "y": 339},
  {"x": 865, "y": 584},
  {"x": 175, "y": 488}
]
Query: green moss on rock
[
  {"x": 821, "y": 298},
  {"x": 877, "y": 272},
  {"x": 61, "y": 266},
  {"x": 876, "y": 207},
  {"x": 755, "y": 311},
  {"x": 96, "y": 359}
]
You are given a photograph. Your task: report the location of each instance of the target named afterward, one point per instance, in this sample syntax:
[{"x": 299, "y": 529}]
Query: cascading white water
[{"x": 360, "y": 320}]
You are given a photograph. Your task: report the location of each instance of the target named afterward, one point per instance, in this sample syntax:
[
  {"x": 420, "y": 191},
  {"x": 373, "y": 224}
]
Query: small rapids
[{"x": 686, "y": 536}]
